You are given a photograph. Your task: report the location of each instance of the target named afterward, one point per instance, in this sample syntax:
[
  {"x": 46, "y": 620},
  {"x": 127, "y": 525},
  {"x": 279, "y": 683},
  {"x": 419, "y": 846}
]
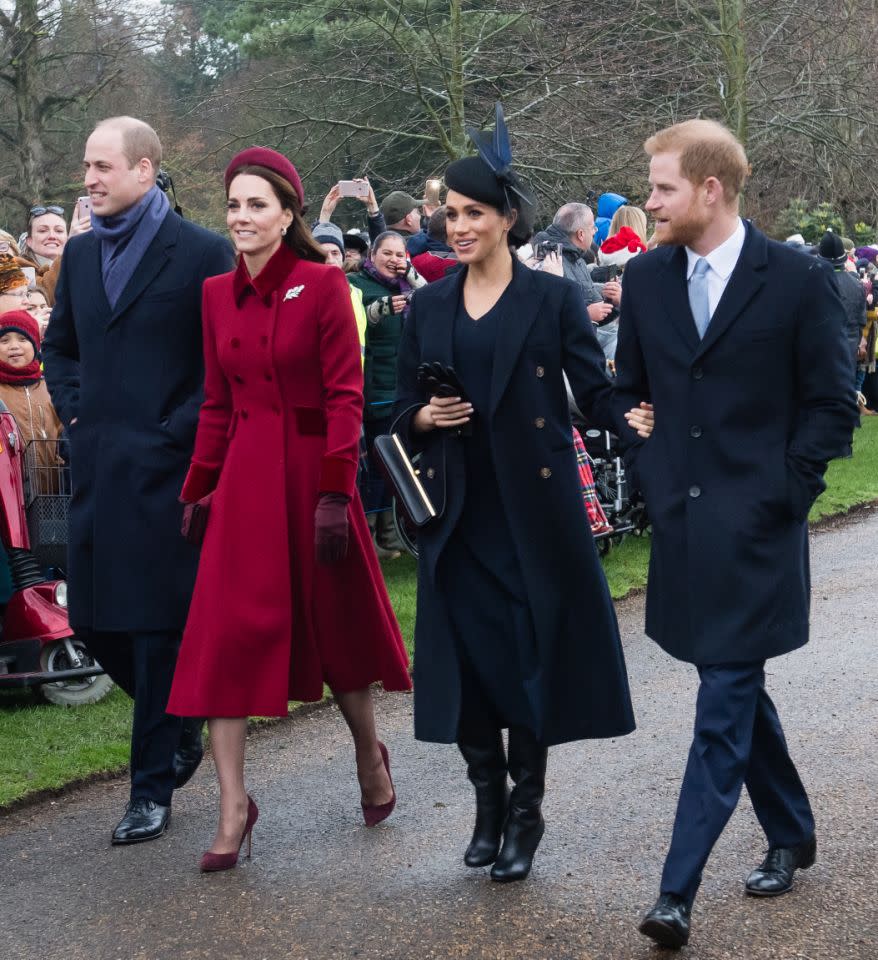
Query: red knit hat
[
  {"x": 271, "y": 160},
  {"x": 626, "y": 238},
  {"x": 21, "y": 322}
]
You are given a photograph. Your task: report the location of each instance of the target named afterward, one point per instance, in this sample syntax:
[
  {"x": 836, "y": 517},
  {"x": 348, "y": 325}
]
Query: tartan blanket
[{"x": 596, "y": 516}]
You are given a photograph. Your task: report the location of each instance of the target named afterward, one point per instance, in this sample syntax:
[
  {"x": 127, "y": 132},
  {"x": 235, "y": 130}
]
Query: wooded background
[{"x": 385, "y": 88}]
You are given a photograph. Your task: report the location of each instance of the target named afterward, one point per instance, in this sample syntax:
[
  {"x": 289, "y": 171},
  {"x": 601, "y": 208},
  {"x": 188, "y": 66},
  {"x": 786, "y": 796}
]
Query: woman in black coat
[{"x": 515, "y": 625}]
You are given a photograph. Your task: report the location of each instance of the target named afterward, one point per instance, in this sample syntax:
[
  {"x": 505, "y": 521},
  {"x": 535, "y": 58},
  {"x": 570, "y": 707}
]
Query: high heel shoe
[
  {"x": 373, "y": 815},
  {"x": 214, "y": 862}
]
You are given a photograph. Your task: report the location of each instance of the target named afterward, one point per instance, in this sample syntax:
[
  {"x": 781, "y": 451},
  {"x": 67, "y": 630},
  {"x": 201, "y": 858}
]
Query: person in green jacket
[{"x": 387, "y": 280}]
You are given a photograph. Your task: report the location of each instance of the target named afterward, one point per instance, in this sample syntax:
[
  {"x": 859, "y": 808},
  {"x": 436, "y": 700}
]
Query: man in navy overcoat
[
  {"x": 124, "y": 365},
  {"x": 739, "y": 343}
]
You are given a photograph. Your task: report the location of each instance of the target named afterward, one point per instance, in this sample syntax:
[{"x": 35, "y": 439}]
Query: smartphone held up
[{"x": 353, "y": 188}]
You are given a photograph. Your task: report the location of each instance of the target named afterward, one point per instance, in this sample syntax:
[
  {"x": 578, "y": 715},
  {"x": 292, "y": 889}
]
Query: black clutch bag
[{"x": 403, "y": 476}]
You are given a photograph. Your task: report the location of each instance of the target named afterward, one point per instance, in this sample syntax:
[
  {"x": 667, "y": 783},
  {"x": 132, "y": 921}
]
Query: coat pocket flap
[{"x": 310, "y": 421}]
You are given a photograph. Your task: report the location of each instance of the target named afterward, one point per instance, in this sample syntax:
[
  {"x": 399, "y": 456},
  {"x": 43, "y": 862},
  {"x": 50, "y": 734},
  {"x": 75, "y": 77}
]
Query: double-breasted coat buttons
[
  {"x": 540, "y": 422},
  {"x": 545, "y": 473},
  {"x": 541, "y": 371}
]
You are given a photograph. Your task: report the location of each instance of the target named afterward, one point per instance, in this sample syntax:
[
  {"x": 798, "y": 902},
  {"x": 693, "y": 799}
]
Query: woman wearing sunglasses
[{"x": 46, "y": 236}]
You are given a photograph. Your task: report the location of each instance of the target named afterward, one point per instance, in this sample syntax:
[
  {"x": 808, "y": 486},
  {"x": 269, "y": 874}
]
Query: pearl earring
[{"x": 283, "y": 231}]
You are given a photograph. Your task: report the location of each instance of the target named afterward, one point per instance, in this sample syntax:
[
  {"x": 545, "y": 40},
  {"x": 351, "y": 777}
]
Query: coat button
[
  {"x": 695, "y": 432},
  {"x": 238, "y": 378},
  {"x": 545, "y": 473},
  {"x": 275, "y": 408},
  {"x": 244, "y": 414},
  {"x": 540, "y": 422},
  {"x": 430, "y": 473},
  {"x": 264, "y": 341},
  {"x": 697, "y": 373},
  {"x": 235, "y": 343},
  {"x": 541, "y": 371},
  {"x": 694, "y": 491},
  {"x": 268, "y": 377}
]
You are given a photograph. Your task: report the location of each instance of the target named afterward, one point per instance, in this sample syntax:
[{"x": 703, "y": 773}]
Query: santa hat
[{"x": 620, "y": 248}]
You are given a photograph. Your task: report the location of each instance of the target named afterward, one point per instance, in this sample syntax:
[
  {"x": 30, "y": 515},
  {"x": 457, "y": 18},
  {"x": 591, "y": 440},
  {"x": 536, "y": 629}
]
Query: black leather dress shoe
[
  {"x": 190, "y": 751},
  {"x": 668, "y": 922},
  {"x": 144, "y": 820},
  {"x": 774, "y": 875}
]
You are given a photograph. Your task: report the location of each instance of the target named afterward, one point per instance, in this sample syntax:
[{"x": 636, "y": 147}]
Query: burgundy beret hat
[{"x": 271, "y": 160}]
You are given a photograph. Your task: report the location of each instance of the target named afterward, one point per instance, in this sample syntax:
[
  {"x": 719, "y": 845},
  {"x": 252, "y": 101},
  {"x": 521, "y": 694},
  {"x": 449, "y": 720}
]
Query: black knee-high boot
[
  {"x": 486, "y": 768},
  {"x": 524, "y": 825}
]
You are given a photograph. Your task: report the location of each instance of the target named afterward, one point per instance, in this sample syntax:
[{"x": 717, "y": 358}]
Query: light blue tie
[{"x": 698, "y": 299}]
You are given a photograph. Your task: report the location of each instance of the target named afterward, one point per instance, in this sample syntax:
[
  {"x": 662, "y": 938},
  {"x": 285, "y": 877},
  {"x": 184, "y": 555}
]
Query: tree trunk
[{"x": 30, "y": 151}]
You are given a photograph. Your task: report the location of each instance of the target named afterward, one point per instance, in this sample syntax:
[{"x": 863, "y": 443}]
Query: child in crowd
[{"x": 24, "y": 391}]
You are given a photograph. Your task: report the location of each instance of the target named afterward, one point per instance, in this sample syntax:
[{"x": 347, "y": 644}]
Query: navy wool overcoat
[
  {"x": 580, "y": 687},
  {"x": 132, "y": 378},
  {"x": 746, "y": 421}
]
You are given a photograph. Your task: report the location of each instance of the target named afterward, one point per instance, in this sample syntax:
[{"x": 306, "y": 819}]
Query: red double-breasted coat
[{"x": 279, "y": 425}]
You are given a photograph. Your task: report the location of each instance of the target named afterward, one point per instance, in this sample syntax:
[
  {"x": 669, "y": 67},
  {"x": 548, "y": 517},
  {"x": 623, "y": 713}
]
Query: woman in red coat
[{"x": 289, "y": 594}]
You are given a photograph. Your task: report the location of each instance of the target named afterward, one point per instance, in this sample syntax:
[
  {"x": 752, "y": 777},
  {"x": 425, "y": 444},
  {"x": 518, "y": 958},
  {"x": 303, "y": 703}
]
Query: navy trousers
[
  {"x": 142, "y": 664},
  {"x": 738, "y": 741}
]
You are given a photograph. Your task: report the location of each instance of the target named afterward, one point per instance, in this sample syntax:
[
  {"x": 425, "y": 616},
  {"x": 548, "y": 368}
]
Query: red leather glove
[
  {"x": 195, "y": 517},
  {"x": 331, "y": 527}
]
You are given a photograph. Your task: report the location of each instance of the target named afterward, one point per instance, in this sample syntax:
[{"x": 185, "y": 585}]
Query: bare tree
[{"x": 55, "y": 59}]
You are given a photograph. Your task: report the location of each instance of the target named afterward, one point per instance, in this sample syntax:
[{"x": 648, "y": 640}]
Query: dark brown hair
[{"x": 298, "y": 236}]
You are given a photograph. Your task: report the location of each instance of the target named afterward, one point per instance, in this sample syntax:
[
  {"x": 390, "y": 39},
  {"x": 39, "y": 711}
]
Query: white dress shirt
[{"x": 722, "y": 262}]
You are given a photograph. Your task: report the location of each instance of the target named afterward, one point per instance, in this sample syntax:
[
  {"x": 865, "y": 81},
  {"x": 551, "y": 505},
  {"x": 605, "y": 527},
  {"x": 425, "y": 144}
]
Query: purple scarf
[
  {"x": 125, "y": 238},
  {"x": 395, "y": 285}
]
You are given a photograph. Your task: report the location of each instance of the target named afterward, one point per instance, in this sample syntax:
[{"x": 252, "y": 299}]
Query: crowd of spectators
[{"x": 404, "y": 246}]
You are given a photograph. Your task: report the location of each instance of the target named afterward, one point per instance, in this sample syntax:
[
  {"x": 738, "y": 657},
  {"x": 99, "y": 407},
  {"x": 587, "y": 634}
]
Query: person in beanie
[
  {"x": 738, "y": 341},
  {"x": 332, "y": 242},
  {"x": 124, "y": 365},
  {"x": 13, "y": 285},
  {"x": 356, "y": 250},
  {"x": 853, "y": 296},
  {"x": 510, "y": 557},
  {"x": 23, "y": 390}
]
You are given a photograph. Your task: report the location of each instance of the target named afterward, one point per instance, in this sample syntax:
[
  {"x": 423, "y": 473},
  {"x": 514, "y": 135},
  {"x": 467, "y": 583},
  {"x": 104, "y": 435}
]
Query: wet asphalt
[{"x": 320, "y": 885}]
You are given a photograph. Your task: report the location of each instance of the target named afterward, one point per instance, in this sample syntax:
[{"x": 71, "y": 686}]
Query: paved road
[{"x": 321, "y": 886}]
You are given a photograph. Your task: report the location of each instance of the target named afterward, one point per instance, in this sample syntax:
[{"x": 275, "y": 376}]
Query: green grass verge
[{"x": 44, "y": 747}]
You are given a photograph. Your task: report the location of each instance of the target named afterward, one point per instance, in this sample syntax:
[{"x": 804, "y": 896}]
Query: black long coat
[
  {"x": 132, "y": 378},
  {"x": 746, "y": 421},
  {"x": 580, "y": 689}
]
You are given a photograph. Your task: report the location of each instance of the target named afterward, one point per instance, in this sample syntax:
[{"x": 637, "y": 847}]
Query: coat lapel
[
  {"x": 746, "y": 281},
  {"x": 96, "y": 280},
  {"x": 439, "y": 333},
  {"x": 521, "y": 304},
  {"x": 151, "y": 265},
  {"x": 675, "y": 298}
]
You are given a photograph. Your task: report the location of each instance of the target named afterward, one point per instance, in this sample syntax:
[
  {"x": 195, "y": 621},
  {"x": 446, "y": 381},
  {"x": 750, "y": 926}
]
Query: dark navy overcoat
[
  {"x": 580, "y": 687},
  {"x": 132, "y": 378},
  {"x": 746, "y": 421}
]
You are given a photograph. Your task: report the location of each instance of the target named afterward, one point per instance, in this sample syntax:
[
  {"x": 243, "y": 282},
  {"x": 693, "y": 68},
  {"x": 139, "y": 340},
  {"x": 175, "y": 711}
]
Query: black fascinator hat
[{"x": 489, "y": 178}]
